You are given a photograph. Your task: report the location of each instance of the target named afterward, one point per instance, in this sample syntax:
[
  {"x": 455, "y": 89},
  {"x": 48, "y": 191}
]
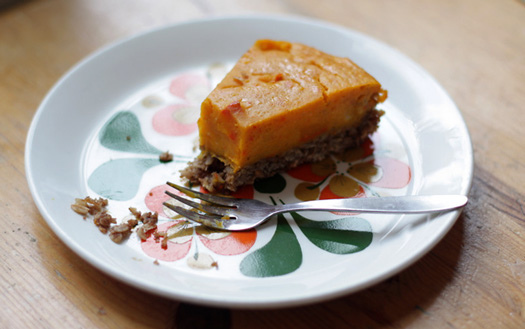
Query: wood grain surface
[{"x": 474, "y": 278}]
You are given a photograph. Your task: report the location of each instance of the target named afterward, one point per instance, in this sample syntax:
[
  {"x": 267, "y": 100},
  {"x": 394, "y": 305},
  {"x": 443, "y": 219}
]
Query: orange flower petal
[{"x": 234, "y": 244}]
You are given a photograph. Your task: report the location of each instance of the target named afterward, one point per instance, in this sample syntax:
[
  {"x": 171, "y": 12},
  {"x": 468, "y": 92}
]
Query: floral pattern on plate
[{"x": 128, "y": 148}]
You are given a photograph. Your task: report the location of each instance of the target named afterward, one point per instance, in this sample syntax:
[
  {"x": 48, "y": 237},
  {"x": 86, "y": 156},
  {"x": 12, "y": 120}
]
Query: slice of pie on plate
[{"x": 282, "y": 105}]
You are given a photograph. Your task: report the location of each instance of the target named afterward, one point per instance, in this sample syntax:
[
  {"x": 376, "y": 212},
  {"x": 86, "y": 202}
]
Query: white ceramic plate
[{"x": 144, "y": 91}]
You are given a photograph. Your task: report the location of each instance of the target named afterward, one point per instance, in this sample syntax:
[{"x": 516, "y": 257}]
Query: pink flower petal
[
  {"x": 396, "y": 174},
  {"x": 181, "y": 84},
  {"x": 156, "y": 197},
  {"x": 165, "y": 120}
]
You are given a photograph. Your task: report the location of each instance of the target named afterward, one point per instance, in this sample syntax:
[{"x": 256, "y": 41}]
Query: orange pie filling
[{"x": 278, "y": 97}]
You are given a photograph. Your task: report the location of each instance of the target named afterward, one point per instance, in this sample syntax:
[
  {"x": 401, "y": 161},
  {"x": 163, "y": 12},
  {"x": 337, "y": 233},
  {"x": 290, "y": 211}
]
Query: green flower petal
[
  {"x": 280, "y": 256},
  {"x": 119, "y": 179},
  {"x": 274, "y": 184},
  {"x": 122, "y": 133},
  {"x": 341, "y": 236}
]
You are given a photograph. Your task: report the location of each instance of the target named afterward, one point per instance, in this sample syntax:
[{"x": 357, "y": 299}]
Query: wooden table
[{"x": 474, "y": 278}]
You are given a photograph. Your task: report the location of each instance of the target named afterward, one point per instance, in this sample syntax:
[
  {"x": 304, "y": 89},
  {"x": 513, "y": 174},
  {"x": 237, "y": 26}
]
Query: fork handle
[{"x": 414, "y": 204}]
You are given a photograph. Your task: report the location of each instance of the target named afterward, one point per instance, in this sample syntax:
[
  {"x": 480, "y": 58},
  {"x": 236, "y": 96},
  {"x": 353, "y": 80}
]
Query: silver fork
[{"x": 233, "y": 214}]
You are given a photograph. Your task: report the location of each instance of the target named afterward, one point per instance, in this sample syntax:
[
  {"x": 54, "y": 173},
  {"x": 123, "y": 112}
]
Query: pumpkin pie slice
[{"x": 282, "y": 105}]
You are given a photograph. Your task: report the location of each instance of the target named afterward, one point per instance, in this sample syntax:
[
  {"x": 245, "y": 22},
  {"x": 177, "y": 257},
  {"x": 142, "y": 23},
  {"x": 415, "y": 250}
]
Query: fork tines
[
  {"x": 223, "y": 201},
  {"x": 215, "y": 209}
]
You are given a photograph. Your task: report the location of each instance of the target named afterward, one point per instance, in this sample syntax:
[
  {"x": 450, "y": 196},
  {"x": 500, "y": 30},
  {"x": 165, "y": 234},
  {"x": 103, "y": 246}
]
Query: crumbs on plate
[
  {"x": 166, "y": 157},
  {"x": 97, "y": 209}
]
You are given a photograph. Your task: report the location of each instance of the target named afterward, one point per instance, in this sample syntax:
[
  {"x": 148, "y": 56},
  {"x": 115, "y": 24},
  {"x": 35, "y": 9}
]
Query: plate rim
[{"x": 239, "y": 302}]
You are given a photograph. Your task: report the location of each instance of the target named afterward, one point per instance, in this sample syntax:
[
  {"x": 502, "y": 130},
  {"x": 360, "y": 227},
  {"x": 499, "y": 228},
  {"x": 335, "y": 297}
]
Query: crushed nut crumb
[
  {"x": 103, "y": 221},
  {"x": 95, "y": 208},
  {"x": 164, "y": 242},
  {"x": 119, "y": 233},
  {"x": 89, "y": 206},
  {"x": 166, "y": 157},
  {"x": 149, "y": 223},
  {"x": 157, "y": 235}
]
